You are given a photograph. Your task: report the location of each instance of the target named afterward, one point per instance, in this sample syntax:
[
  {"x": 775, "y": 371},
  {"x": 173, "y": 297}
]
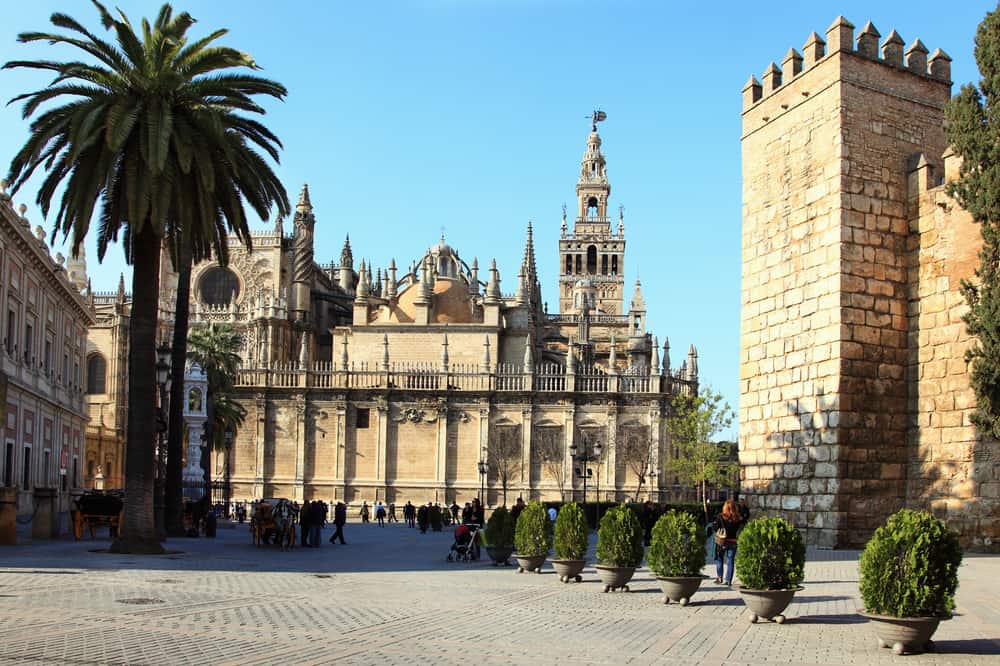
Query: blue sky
[{"x": 409, "y": 117}]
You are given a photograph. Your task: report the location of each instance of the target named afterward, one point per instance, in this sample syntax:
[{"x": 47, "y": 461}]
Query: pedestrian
[
  {"x": 467, "y": 514},
  {"x": 727, "y": 528},
  {"x": 423, "y": 518},
  {"x": 478, "y": 513},
  {"x": 304, "y": 522},
  {"x": 410, "y": 514},
  {"x": 553, "y": 514},
  {"x": 364, "y": 512},
  {"x": 339, "y": 518},
  {"x": 516, "y": 510},
  {"x": 744, "y": 510},
  {"x": 454, "y": 512},
  {"x": 392, "y": 513},
  {"x": 648, "y": 519},
  {"x": 380, "y": 514},
  {"x": 317, "y": 515}
]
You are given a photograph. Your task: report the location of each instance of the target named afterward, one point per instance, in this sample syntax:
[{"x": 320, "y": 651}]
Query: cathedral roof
[{"x": 452, "y": 303}]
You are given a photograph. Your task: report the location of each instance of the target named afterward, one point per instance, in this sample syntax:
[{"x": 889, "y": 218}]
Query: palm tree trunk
[
  {"x": 138, "y": 534},
  {"x": 174, "y": 516}
]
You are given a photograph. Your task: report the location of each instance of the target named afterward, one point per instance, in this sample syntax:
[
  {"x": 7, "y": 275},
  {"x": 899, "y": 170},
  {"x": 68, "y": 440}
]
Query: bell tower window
[
  {"x": 592, "y": 207},
  {"x": 591, "y": 259},
  {"x": 604, "y": 264},
  {"x": 614, "y": 264},
  {"x": 569, "y": 264}
]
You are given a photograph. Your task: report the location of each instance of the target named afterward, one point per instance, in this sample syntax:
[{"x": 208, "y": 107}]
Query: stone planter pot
[
  {"x": 615, "y": 578},
  {"x": 679, "y": 588},
  {"x": 569, "y": 569},
  {"x": 768, "y": 604},
  {"x": 500, "y": 554},
  {"x": 532, "y": 563},
  {"x": 904, "y": 634}
]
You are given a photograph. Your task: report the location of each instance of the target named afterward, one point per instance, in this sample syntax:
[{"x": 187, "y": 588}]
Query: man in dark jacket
[
  {"x": 305, "y": 521},
  {"x": 339, "y": 518}
]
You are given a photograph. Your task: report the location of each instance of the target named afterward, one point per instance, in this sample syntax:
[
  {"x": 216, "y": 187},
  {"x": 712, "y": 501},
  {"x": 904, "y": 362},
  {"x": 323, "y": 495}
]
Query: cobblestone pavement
[{"x": 389, "y": 597}]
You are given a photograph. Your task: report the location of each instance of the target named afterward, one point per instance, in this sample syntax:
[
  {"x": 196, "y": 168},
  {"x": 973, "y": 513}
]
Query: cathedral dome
[{"x": 452, "y": 303}]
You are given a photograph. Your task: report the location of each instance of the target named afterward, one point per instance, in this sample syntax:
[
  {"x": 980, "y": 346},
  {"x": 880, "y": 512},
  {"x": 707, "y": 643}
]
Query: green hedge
[
  {"x": 571, "y": 533},
  {"x": 909, "y": 568},
  {"x": 677, "y": 547},
  {"x": 770, "y": 555},
  {"x": 533, "y": 533},
  {"x": 619, "y": 539},
  {"x": 592, "y": 509},
  {"x": 499, "y": 528}
]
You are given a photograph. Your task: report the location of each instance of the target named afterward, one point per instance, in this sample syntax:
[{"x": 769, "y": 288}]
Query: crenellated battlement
[{"x": 841, "y": 39}]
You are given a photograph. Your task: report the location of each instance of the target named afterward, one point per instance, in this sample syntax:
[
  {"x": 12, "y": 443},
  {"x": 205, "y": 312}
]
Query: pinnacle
[
  {"x": 840, "y": 21},
  {"x": 917, "y": 45},
  {"x": 940, "y": 55},
  {"x": 893, "y": 38},
  {"x": 870, "y": 29},
  {"x": 304, "y": 197}
]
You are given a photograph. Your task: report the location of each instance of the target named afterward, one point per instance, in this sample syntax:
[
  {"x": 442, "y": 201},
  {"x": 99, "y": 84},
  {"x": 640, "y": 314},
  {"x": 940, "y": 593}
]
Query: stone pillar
[
  {"x": 341, "y": 445},
  {"x": 298, "y": 488},
  {"x": 45, "y": 523},
  {"x": 611, "y": 467},
  {"x": 441, "y": 468},
  {"x": 382, "y": 445},
  {"x": 526, "y": 426},
  {"x": 570, "y": 434},
  {"x": 8, "y": 516},
  {"x": 260, "y": 437},
  {"x": 655, "y": 456}
]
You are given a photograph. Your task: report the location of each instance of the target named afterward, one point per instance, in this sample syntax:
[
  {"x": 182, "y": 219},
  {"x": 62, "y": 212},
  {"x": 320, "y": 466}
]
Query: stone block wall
[
  {"x": 951, "y": 471},
  {"x": 823, "y": 406}
]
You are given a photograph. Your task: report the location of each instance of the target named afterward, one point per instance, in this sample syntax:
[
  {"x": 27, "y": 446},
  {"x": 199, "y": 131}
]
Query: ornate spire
[
  {"x": 391, "y": 286},
  {"x": 493, "y": 286},
  {"x": 486, "y": 355},
  {"x": 304, "y": 203},
  {"x": 444, "y": 353},
  {"x": 529, "y": 362},
  {"x": 529, "y": 256},
  {"x": 474, "y": 277},
  {"x": 666, "y": 355},
  {"x": 121, "y": 288},
  {"x": 362, "y": 291},
  {"x": 279, "y": 226},
  {"x": 638, "y": 302},
  {"x": 692, "y": 363},
  {"x": 654, "y": 364},
  {"x": 346, "y": 256},
  {"x": 385, "y": 352},
  {"x": 343, "y": 353}
]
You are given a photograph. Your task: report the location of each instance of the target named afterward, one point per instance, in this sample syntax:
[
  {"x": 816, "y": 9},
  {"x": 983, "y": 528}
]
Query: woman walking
[{"x": 727, "y": 528}]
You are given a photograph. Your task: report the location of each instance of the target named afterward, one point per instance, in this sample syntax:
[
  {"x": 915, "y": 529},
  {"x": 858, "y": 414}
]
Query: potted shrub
[
  {"x": 532, "y": 537},
  {"x": 619, "y": 547},
  {"x": 499, "y": 536},
  {"x": 570, "y": 543},
  {"x": 770, "y": 562},
  {"x": 676, "y": 555},
  {"x": 909, "y": 573}
]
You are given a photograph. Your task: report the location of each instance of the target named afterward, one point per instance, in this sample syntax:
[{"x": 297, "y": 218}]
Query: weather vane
[{"x": 596, "y": 117}]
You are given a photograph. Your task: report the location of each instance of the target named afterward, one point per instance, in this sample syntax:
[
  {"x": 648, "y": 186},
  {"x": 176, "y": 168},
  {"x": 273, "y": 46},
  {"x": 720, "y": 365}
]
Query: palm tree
[
  {"x": 216, "y": 349},
  {"x": 149, "y": 133}
]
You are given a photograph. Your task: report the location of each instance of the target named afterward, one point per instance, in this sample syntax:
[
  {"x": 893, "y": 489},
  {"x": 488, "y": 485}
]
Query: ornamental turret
[{"x": 302, "y": 267}]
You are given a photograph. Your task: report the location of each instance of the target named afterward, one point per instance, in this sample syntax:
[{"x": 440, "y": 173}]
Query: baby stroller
[{"x": 464, "y": 548}]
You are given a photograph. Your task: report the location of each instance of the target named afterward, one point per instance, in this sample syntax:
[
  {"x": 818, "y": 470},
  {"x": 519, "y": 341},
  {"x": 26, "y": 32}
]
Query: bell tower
[{"x": 593, "y": 250}]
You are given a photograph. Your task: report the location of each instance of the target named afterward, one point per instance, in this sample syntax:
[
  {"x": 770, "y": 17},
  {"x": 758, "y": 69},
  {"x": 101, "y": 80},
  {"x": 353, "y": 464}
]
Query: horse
[{"x": 282, "y": 514}]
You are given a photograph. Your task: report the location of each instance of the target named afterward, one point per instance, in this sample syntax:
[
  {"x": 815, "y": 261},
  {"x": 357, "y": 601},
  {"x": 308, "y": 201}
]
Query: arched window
[
  {"x": 592, "y": 207},
  {"x": 219, "y": 286},
  {"x": 604, "y": 264},
  {"x": 591, "y": 260},
  {"x": 97, "y": 374},
  {"x": 569, "y": 264}
]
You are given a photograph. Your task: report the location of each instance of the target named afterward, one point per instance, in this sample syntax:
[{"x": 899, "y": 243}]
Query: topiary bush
[
  {"x": 909, "y": 568},
  {"x": 770, "y": 555},
  {"x": 571, "y": 533},
  {"x": 499, "y": 529},
  {"x": 619, "y": 538},
  {"x": 677, "y": 547},
  {"x": 533, "y": 534}
]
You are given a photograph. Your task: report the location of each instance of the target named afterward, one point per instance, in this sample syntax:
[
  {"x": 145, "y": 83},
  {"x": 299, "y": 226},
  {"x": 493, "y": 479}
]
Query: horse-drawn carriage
[
  {"x": 273, "y": 521},
  {"x": 97, "y": 509}
]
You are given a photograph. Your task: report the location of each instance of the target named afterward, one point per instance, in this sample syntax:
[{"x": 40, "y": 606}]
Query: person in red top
[{"x": 730, "y": 520}]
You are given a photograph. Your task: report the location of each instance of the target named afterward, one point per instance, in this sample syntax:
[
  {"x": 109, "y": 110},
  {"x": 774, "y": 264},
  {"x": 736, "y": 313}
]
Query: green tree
[
  {"x": 216, "y": 349},
  {"x": 151, "y": 132},
  {"x": 972, "y": 125},
  {"x": 692, "y": 425}
]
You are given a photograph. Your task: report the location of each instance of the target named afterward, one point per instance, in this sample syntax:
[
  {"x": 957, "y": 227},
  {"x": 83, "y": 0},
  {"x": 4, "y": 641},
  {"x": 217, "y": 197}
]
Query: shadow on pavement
[
  {"x": 971, "y": 646},
  {"x": 846, "y": 618}
]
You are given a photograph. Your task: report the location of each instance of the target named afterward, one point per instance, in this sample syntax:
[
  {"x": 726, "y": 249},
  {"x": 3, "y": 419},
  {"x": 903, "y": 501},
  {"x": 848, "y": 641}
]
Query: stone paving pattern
[{"x": 389, "y": 597}]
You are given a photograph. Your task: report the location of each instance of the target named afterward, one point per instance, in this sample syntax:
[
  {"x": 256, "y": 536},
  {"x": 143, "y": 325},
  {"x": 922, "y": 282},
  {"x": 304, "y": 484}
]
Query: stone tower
[
  {"x": 302, "y": 269},
  {"x": 824, "y": 405},
  {"x": 593, "y": 250}
]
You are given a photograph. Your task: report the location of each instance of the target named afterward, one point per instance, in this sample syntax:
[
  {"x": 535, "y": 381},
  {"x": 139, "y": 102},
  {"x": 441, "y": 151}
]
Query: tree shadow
[
  {"x": 846, "y": 618},
  {"x": 818, "y": 599},
  {"x": 983, "y": 646}
]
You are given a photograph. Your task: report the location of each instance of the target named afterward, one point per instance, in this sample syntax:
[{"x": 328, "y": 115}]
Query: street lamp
[
  {"x": 584, "y": 458},
  {"x": 163, "y": 354},
  {"x": 484, "y": 469},
  {"x": 230, "y": 436}
]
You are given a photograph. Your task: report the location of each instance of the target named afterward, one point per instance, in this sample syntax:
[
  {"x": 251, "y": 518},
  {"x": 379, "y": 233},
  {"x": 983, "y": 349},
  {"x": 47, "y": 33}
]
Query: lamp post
[
  {"x": 230, "y": 436},
  {"x": 484, "y": 469},
  {"x": 163, "y": 354},
  {"x": 583, "y": 458}
]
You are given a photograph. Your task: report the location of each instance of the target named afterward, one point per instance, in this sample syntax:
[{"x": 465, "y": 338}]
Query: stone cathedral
[{"x": 364, "y": 382}]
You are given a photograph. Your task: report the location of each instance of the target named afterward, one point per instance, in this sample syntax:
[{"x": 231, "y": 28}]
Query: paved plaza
[{"x": 389, "y": 597}]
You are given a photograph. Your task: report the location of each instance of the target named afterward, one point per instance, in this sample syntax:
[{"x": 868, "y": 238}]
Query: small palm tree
[{"x": 152, "y": 134}]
